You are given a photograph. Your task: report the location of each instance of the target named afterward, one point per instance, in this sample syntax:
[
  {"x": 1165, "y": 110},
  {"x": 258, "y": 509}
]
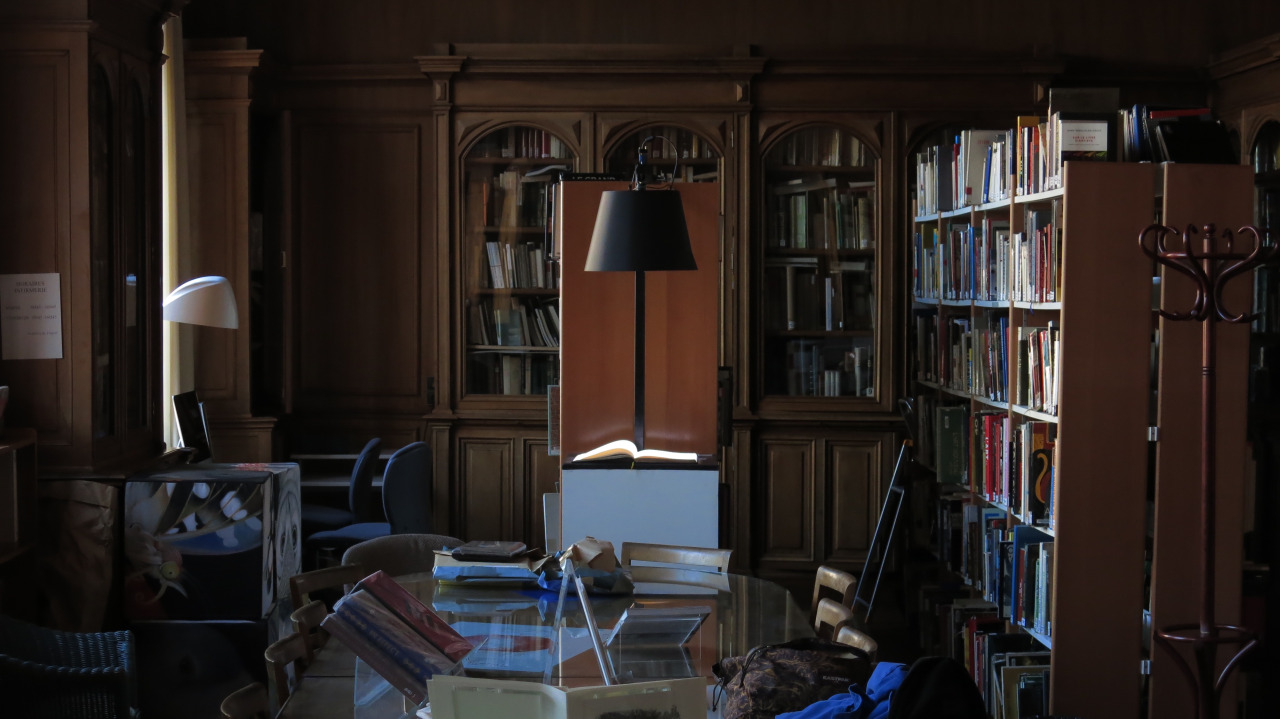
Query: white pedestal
[{"x": 661, "y": 506}]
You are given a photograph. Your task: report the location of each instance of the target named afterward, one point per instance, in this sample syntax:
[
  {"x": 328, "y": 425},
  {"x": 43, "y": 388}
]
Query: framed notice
[{"x": 31, "y": 316}]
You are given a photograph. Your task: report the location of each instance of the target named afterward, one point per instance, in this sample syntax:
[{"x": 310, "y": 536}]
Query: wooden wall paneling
[
  {"x": 44, "y": 202},
  {"x": 361, "y": 283},
  {"x": 682, "y": 335},
  {"x": 600, "y": 359},
  {"x": 736, "y": 471},
  {"x": 1223, "y": 195}
]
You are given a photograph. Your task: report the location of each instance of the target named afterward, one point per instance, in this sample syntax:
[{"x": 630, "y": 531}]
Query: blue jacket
[{"x": 873, "y": 703}]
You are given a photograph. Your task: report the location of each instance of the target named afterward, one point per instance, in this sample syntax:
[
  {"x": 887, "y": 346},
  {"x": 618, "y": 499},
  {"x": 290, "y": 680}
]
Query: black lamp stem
[{"x": 639, "y": 382}]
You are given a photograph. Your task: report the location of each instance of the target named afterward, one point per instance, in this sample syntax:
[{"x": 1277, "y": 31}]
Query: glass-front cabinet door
[
  {"x": 672, "y": 153},
  {"x": 511, "y": 294},
  {"x": 820, "y": 230}
]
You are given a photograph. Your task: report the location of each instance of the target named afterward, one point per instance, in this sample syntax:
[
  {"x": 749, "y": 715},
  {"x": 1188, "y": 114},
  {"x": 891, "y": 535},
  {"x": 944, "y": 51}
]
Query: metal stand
[
  {"x": 1210, "y": 268},
  {"x": 887, "y": 525}
]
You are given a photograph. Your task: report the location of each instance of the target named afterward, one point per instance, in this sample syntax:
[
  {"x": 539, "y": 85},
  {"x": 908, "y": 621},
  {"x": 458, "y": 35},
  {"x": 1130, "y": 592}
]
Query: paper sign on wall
[{"x": 31, "y": 316}]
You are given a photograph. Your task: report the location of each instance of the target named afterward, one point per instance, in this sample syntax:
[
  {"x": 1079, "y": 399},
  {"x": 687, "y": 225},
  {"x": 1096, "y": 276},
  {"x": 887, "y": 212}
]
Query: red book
[{"x": 416, "y": 614}]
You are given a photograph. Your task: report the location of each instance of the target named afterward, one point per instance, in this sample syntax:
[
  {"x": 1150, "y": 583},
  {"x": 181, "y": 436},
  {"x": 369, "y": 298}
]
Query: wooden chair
[
  {"x": 830, "y": 617},
  {"x": 829, "y": 580},
  {"x": 337, "y": 578},
  {"x": 858, "y": 638},
  {"x": 286, "y": 660},
  {"x": 399, "y": 554},
  {"x": 306, "y": 621},
  {"x": 701, "y": 558},
  {"x": 248, "y": 702}
]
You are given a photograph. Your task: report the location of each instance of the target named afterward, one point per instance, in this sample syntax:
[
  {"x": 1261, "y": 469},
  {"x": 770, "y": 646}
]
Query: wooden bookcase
[{"x": 1101, "y": 305}]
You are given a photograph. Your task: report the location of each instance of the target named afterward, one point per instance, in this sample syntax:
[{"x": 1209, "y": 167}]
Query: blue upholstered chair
[
  {"x": 406, "y": 500},
  {"x": 320, "y": 518}
]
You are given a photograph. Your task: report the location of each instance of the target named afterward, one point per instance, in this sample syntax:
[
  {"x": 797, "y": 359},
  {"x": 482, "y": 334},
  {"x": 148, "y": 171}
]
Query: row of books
[
  {"x": 522, "y": 322},
  {"x": 825, "y": 147},
  {"x": 526, "y": 142},
  {"x": 1009, "y": 565},
  {"x": 502, "y": 372},
  {"x": 985, "y": 263},
  {"x": 972, "y": 356},
  {"x": 669, "y": 142},
  {"x": 983, "y": 166},
  {"x": 808, "y": 298},
  {"x": 1010, "y": 669},
  {"x": 966, "y": 262},
  {"x": 511, "y": 200},
  {"x": 518, "y": 265},
  {"x": 397, "y": 635},
  {"x": 822, "y": 215},
  {"x": 829, "y": 369},
  {"x": 998, "y": 459}
]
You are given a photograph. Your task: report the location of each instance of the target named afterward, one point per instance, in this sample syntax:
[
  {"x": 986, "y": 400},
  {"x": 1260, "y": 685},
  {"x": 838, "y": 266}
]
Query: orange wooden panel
[{"x": 597, "y": 343}]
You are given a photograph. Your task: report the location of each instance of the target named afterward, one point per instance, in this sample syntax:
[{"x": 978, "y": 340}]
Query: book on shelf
[
  {"x": 475, "y": 698},
  {"x": 950, "y": 430},
  {"x": 627, "y": 448}
]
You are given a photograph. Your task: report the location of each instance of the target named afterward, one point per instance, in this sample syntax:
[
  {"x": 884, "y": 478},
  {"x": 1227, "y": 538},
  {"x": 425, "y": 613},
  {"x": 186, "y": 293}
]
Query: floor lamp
[{"x": 640, "y": 230}]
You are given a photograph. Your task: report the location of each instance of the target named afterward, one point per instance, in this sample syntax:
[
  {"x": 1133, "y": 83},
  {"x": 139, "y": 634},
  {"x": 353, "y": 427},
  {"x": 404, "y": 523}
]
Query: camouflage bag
[{"x": 776, "y": 678}]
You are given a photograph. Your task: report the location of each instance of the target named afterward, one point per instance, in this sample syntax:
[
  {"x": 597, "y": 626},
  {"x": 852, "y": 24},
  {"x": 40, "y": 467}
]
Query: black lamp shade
[{"x": 640, "y": 231}]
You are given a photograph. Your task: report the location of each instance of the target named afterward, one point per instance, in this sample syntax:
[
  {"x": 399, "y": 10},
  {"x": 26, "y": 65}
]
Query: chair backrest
[
  {"x": 247, "y": 702},
  {"x": 829, "y": 580},
  {"x": 830, "y": 617},
  {"x": 406, "y": 490},
  {"x": 286, "y": 659},
  {"x": 704, "y": 558},
  {"x": 337, "y": 577},
  {"x": 856, "y": 638},
  {"x": 399, "y": 554},
  {"x": 358, "y": 495},
  {"x": 306, "y": 621}
]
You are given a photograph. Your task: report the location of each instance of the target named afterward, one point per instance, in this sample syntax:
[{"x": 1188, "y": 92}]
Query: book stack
[{"x": 397, "y": 635}]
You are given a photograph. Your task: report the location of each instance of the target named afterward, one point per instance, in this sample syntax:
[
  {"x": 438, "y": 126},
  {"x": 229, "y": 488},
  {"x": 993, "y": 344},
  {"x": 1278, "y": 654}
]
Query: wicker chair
[{"x": 52, "y": 674}]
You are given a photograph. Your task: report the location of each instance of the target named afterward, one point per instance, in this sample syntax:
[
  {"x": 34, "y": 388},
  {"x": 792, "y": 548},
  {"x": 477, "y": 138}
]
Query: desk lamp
[
  {"x": 640, "y": 230},
  {"x": 205, "y": 301}
]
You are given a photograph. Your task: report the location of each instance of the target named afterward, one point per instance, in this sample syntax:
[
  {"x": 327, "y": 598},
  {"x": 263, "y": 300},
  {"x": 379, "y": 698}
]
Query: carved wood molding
[
  {"x": 221, "y": 61},
  {"x": 1245, "y": 57}
]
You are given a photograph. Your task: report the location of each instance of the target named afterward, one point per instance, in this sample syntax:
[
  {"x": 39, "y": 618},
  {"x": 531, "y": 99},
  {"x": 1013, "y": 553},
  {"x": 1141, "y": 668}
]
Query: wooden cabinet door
[
  {"x": 502, "y": 473},
  {"x": 817, "y": 498}
]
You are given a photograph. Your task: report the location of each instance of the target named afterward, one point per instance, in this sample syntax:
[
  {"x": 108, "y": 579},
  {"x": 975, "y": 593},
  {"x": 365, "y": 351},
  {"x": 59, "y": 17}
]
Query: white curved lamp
[{"x": 205, "y": 301}]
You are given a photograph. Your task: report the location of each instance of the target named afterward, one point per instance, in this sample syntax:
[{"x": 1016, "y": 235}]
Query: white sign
[{"x": 31, "y": 316}]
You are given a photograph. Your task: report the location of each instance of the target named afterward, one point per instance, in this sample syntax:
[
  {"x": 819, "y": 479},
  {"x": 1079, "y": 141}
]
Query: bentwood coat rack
[{"x": 1211, "y": 261}]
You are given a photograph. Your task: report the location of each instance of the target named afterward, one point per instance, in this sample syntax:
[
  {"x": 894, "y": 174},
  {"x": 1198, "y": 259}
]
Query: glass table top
[{"x": 519, "y": 634}]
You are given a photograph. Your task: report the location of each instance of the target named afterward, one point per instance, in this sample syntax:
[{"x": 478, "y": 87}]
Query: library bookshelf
[{"x": 1059, "y": 270}]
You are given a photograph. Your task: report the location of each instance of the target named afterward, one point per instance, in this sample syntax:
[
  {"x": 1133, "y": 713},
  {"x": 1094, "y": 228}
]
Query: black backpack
[{"x": 937, "y": 688}]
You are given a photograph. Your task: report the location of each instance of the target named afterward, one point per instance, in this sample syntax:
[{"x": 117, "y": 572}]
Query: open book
[
  {"x": 627, "y": 448},
  {"x": 454, "y": 697}
]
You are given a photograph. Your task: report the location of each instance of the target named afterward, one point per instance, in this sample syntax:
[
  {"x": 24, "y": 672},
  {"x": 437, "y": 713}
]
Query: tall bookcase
[{"x": 1092, "y": 301}]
